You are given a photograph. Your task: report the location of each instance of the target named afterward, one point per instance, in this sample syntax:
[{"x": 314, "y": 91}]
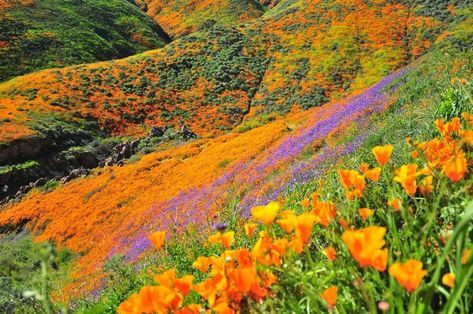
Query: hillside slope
[
  {"x": 128, "y": 202},
  {"x": 180, "y": 18},
  {"x": 37, "y": 34},
  {"x": 299, "y": 55},
  {"x": 215, "y": 80}
]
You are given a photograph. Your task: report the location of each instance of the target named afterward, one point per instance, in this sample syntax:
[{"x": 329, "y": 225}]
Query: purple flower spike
[{"x": 220, "y": 226}]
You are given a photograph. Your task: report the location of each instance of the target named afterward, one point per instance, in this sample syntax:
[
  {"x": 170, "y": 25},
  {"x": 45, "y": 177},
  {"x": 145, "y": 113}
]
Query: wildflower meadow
[
  {"x": 224, "y": 156},
  {"x": 401, "y": 242}
]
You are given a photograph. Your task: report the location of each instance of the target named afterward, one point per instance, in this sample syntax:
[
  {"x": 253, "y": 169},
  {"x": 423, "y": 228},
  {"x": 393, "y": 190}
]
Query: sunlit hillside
[
  {"x": 179, "y": 18},
  {"x": 292, "y": 156},
  {"x": 217, "y": 77}
]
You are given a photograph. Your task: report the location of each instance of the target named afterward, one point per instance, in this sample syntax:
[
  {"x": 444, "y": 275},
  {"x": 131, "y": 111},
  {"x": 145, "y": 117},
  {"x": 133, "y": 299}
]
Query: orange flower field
[
  {"x": 241, "y": 274},
  {"x": 236, "y": 156}
]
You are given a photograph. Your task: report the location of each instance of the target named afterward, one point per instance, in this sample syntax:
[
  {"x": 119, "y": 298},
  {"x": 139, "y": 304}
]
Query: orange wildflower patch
[
  {"x": 382, "y": 153},
  {"x": 157, "y": 238},
  {"x": 408, "y": 274},
  {"x": 366, "y": 246},
  {"x": 406, "y": 175},
  {"x": 448, "y": 280},
  {"x": 330, "y": 296},
  {"x": 266, "y": 214},
  {"x": 353, "y": 182},
  {"x": 236, "y": 276}
]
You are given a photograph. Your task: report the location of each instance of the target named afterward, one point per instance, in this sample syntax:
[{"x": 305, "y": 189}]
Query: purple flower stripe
[{"x": 258, "y": 181}]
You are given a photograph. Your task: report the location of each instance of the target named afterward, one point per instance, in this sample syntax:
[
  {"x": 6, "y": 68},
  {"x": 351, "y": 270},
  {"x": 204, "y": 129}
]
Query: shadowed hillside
[{"x": 36, "y": 34}]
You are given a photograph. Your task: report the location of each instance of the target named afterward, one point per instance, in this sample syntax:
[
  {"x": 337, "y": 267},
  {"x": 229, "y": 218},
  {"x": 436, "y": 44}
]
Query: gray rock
[
  {"x": 186, "y": 133},
  {"x": 156, "y": 131}
]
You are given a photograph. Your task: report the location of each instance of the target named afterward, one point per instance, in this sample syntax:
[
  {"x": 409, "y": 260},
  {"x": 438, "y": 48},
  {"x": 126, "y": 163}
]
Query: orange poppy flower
[
  {"x": 305, "y": 203},
  {"x": 467, "y": 135},
  {"x": 268, "y": 278},
  {"x": 330, "y": 296},
  {"x": 208, "y": 288},
  {"x": 406, "y": 175},
  {"x": 159, "y": 299},
  {"x": 225, "y": 239},
  {"x": 131, "y": 306},
  {"x": 314, "y": 197},
  {"x": 373, "y": 174},
  {"x": 364, "y": 167},
  {"x": 408, "y": 274},
  {"x": 324, "y": 213},
  {"x": 330, "y": 253},
  {"x": 250, "y": 229},
  {"x": 222, "y": 306},
  {"x": 287, "y": 214},
  {"x": 289, "y": 223},
  {"x": 353, "y": 182},
  {"x": 466, "y": 254},
  {"x": 365, "y": 213},
  {"x": 455, "y": 168},
  {"x": 184, "y": 284},
  {"x": 296, "y": 244},
  {"x": 448, "y": 279},
  {"x": 243, "y": 278},
  {"x": 305, "y": 224},
  {"x": 365, "y": 246},
  {"x": 426, "y": 185},
  {"x": 202, "y": 263},
  {"x": 440, "y": 125},
  {"x": 262, "y": 244},
  {"x": 415, "y": 154},
  {"x": 343, "y": 223},
  {"x": 266, "y": 214},
  {"x": 157, "y": 238},
  {"x": 468, "y": 118},
  {"x": 167, "y": 278},
  {"x": 382, "y": 153},
  {"x": 268, "y": 251},
  {"x": 242, "y": 256},
  {"x": 395, "y": 203}
]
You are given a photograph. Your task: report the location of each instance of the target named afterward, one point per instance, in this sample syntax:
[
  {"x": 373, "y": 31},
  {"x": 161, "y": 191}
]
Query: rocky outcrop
[
  {"x": 22, "y": 149},
  {"x": 55, "y": 161}
]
